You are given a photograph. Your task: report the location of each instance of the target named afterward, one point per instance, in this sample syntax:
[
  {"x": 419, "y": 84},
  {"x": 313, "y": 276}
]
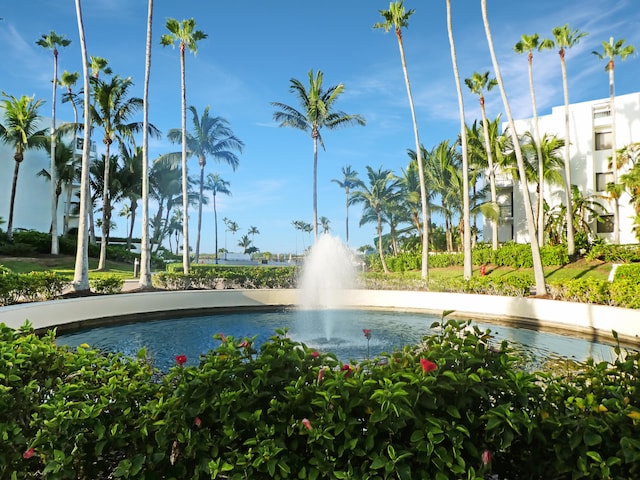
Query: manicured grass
[
  {"x": 65, "y": 265},
  {"x": 557, "y": 274}
]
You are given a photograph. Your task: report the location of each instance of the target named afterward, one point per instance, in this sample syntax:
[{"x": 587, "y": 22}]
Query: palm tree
[
  {"x": 68, "y": 80},
  {"x": 130, "y": 179},
  {"x": 383, "y": 188},
  {"x": 81, "y": 270},
  {"x": 186, "y": 36},
  {"x": 610, "y": 51},
  {"x": 253, "y": 231},
  {"x": 112, "y": 111},
  {"x": 317, "y": 113},
  {"x": 51, "y": 42},
  {"x": 349, "y": 179},
  {"x": 67, "y": 171},
  {"x": 245, "y": 243},
  {"x": 216, "y": 185},
  {"x": 477, "y": 84},
  {"x": 466, "y": 220},
  {"x": 145, "y": 247},
  {"x": 19, "y": 131},
  {"x": 211, "y": 136},
  {"x": 541, "y": 287},
  {"x": 324, "y": 224},
  {"x": 550, "y": 164},
  {"x": 566, "y": 38},
  {"x": 527, "y": 44},
  {"x": 398, "y": 18}
]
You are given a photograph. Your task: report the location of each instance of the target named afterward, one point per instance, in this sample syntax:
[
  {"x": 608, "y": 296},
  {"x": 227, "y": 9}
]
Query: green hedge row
[
  {"x": 510, "y": 254},
  {"x": 30, "y": 287},
  {"x": 226, "y": 276},
  {"x": 459, "y": 405}
]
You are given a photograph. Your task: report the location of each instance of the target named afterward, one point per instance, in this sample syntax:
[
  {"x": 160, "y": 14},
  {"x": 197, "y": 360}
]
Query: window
[
  {"x": 602, "y": 179},
  {"x": 603, "y": 140},
  {"x": 605, "y": 225}
]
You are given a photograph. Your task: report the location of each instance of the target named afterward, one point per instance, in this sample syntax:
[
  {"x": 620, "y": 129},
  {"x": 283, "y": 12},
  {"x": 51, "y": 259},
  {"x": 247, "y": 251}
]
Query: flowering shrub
[{"x": 458, "y": 405}]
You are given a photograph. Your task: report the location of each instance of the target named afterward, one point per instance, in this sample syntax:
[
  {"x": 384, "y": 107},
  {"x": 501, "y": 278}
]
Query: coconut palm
[
  {"x": 381, "y": 190},
  {"x": 324, "y": 224},
  {"x": 145, "y": 247},
  {"x": 186, "y": 36},
  {"x": 611, "y": 50},
  {"x": 67, "y": 171},
  {"x": 213, "y": 137},
  {"x": 527, "y": 44},
  {"x": 130, "y": 179},
  {"x": 565, "y": 38},
  {"x": 81, "y": 270},
  {"x": 538, "y": 271},
  {"x": 398, "y": 18},
  {"x": 349, "y": 178},
  {"x": 477, "y": 83},
  {"x": 112, "y": 112},
  {"x": 51, "y": 42},
  {"x": 317, "y": 112},
  {"x": 69, "y": 80},
  {"x": 216, "y": 184},
  {"x": 253, "y": 231},
  {"x": 245, "y": 243},
  {"x": 20, "y": 131},
  {"x": 466, "y": 219}
]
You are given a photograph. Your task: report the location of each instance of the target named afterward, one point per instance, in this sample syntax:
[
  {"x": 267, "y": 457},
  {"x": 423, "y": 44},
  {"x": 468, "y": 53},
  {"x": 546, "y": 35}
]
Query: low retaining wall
[{"x": 595, "y": 321}]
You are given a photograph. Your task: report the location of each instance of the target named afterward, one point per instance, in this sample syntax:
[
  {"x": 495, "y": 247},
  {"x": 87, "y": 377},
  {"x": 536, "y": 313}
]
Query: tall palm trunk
[
  {"x": 81, "y": 272},
  {"x": 55, "y": 248},
  {"x": 215, "y": 222},
  {"x": 347, "y": 213},
  {"x": 145, "y": 252},
  {"x": 106, "y": 206},
  {"x": 314, "y": 135},
  {"x": 201, "y": 199},
  {"x": 540, "y": 204},
  {"x": 424, "y": 274},
  {"x": 380, "y": 251},
  {"x": 185, "y": 199},
  {"x": 541, "y": 287},
  {"x": 614, "y": 161},
  {"x": 466, "y": 222},
  {"x": 567, "y": 160},
  {"x": 14, "y": 186},
  {"x": 492, "y": 173}
]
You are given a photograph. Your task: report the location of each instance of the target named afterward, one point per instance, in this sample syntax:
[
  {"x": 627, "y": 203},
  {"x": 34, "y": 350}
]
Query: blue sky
[{"x": 254, "y": 48}]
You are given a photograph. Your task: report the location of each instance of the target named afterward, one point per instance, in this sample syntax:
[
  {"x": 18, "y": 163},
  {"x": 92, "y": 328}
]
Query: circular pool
[{"x": 336, "y": 331}]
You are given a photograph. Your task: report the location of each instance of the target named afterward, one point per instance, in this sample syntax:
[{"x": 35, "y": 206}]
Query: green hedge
[
  {"x": 459, "y": 405},
  {"x": 226, "y": 276}
]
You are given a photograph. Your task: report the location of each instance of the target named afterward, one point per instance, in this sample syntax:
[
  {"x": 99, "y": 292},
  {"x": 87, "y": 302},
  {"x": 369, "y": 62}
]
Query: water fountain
[{"x": 327, "y": 275}]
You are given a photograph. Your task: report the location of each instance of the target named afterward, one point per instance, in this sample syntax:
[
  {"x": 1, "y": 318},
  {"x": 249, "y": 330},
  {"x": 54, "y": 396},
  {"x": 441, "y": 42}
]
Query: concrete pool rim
[{"x": 590, "y": 321}]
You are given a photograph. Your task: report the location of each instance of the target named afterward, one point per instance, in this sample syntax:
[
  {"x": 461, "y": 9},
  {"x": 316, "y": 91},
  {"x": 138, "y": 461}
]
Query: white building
[
  {"x": 590, "y": 133},
  {"x": 32, "y": 209}
]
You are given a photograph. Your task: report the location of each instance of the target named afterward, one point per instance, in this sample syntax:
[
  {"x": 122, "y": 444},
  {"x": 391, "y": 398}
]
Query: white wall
[{"x": 585, "y": 160}]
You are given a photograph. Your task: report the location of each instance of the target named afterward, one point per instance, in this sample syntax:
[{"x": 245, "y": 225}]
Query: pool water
[{"x": 336, "y": 331}]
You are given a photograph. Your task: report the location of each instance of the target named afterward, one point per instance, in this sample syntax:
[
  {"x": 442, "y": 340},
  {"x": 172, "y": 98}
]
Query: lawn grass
[{"x": 65, "y": 265}]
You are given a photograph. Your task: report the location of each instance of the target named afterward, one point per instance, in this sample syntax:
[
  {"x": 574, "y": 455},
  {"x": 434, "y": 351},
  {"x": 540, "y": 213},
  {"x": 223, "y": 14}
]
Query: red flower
[
  {"x": 427, "y": 365},
  {"x": 314, "y": 354},
  {"x": 306, "y": 423},
  {"x": 29, "y": 453},
  {"x": 222, "y": 337},
  {"x": 198, "y": 421},
  {"x": 346, "y": 369},
  {"x": 244, "y": 344},
  {"x": 181, "y": 359},
  {"x": 320, "y": 375},
  {"x": 367, "y": 333},
  {"x": 486, "y": 457}
]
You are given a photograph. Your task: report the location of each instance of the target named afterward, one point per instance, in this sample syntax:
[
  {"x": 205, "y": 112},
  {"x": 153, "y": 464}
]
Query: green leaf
[
  {"x": 453, "y": 411},
  {"x": 592, "y": 438},
  {"x": 594, "y": 456}
]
